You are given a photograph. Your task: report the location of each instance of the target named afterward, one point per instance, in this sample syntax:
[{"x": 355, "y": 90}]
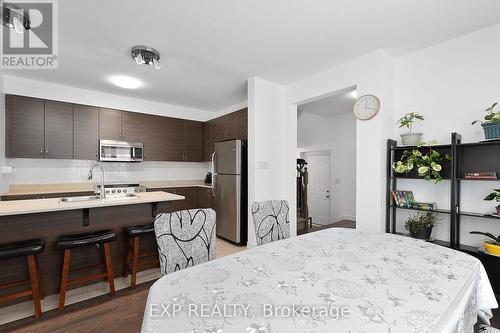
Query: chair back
[
  {"x": 185, "y": 238},
  {"x": 271, "y": 220}
]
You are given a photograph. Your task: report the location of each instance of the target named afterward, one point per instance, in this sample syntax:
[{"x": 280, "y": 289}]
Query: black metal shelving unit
[{"x": 465, "y": 157}]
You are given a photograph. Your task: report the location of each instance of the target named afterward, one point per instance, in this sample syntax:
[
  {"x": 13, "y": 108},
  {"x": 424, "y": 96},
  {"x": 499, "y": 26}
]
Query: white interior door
[{"x": 318, "y": 189}]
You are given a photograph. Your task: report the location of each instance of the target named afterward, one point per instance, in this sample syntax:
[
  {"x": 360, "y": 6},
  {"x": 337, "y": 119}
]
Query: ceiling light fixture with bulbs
[
  {"x": 15, "y": 18},
  {"x": 145, "y": 55}
]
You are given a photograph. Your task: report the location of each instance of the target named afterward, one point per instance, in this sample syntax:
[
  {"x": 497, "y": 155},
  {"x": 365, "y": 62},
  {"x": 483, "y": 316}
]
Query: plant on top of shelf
[
  {"x": 491, "y": 245},
  {"x": 427, "y": 163},
  {"x": 491, "y": 123},
  {"x": 407, "y": 121},
  {"x": 495, "y": 195},
  {"x": 420, "y": 225}
]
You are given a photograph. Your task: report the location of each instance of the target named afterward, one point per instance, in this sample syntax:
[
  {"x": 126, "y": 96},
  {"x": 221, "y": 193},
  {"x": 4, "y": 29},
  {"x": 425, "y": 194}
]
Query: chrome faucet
[{"x": 92, "y": 167}]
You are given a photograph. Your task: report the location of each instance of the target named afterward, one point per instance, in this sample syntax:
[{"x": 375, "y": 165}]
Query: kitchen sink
[
  {"x": 82, "y": 198},
  {"x": 121, "y": 196},
  {"x": 97, "y": 197}
]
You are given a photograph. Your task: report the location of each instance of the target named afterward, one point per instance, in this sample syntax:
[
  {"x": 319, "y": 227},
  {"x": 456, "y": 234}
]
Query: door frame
[{"x": 319, "y": 151}]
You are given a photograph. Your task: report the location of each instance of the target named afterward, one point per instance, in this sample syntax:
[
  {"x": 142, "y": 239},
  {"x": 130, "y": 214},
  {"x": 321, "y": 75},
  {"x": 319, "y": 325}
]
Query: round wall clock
[{"x": 366, "y": 107}]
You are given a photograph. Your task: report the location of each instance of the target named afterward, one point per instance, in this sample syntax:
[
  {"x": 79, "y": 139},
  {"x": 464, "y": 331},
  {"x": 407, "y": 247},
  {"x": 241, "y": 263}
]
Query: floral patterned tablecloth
[{"x": 334, "y": 280}]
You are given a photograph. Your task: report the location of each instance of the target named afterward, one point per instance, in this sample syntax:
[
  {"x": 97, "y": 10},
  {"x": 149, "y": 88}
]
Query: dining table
[{"x": 333, "y": 280}]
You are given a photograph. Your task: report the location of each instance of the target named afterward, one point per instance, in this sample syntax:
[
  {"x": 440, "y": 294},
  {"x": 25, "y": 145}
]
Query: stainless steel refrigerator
[{"x": 229, "y": 187}]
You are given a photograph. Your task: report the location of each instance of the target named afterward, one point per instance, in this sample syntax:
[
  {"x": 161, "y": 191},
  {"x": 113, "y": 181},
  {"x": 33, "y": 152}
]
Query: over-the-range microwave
[{"x": 120, "y": 151}]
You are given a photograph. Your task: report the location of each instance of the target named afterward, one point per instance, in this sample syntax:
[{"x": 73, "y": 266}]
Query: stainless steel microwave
[{"x": 120, "y": 151}]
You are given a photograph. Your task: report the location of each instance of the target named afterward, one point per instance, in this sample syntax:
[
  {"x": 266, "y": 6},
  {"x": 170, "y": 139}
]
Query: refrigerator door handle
[{"x": 214, "y": 175}]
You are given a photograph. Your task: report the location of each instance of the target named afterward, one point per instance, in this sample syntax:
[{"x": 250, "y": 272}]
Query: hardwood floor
[
  {"x": 121, "y": 313},
  {"x": 341, "y": 224}
]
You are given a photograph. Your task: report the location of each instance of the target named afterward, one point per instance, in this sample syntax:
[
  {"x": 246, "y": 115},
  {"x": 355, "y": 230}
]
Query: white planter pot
[{"x": 411, "y": 139}]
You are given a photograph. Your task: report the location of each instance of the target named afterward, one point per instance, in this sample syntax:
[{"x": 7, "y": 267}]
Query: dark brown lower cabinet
[
  {"x": 196, "y": 197},
  {"x": 205, "y": 198}
]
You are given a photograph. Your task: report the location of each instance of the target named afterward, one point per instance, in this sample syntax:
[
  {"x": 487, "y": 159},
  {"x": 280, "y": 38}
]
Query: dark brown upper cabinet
[
  {"x": 193, "y": 141},
  {"x": 226, "y": 127},
  {"x": 148, "y": 129},
  {"x": 208, "y": 143},
  {"x": 242, "y": 124},
  {"x": 25, "y": 117},
  {"x": 110, "y": 124},
  {"x": 174, "y": 139},
  {"x": 58, "y": 130},
  {"x": 36, "y": 128},
  {"x": 86, "y": 132}
]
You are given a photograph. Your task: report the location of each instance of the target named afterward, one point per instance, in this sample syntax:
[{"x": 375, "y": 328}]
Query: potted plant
[
  {"x": 491, "y": 245},
  {"x": 407, "y": 121},
  {"x": 494, "y": 196},
  {"x": 420, "y": 225},
  {"x": 491, "y": 123},
  {"x": 427, "y": 163}
]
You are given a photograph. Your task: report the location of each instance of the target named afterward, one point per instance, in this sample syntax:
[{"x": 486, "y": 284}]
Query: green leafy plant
[
  {"x": 420, "y": 221},
  {"x": 496, "y": 240},
  {"x": 493, "y": 195},
  {"x": 492, "y": 116},
  {"x": 408, "y": 119},
  {"x": 427, "y": 163}
]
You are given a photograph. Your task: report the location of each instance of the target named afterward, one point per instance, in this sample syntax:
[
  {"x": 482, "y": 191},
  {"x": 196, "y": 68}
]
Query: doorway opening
[{"x": 326, "y": 147}]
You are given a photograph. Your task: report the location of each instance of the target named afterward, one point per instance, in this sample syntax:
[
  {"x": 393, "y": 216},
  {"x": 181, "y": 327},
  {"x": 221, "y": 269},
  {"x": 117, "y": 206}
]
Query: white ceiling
[
  {"x": 210, "y": 48},
  {"x": 340, "y": 102}
]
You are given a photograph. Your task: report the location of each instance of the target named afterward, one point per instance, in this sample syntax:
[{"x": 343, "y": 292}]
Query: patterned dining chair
[
  {"x": 271, "y": 221},
  {"x": 185, "y": 238}
]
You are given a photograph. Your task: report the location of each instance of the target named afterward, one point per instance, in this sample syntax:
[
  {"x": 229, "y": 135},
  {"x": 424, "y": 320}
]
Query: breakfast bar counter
[{"x": 51, "y": 218}]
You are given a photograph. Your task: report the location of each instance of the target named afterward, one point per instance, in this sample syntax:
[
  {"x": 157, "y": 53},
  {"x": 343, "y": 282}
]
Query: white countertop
[
  {"x": 40, "y": 189},
  {"x": 19, "y": 207}
]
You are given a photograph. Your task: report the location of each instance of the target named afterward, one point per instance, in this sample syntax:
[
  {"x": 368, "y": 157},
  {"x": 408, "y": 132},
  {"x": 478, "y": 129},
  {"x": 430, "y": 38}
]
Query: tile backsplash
[{"x": 40, "y": 171}]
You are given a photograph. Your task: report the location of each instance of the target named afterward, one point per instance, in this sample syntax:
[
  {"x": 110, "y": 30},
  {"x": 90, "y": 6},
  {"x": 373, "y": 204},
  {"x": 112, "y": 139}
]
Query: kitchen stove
[{"x": 119, "y": 189}]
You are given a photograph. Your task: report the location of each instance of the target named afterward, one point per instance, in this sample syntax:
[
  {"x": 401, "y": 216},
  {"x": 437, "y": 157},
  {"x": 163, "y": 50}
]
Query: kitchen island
[{"x": 51, "y": 218}]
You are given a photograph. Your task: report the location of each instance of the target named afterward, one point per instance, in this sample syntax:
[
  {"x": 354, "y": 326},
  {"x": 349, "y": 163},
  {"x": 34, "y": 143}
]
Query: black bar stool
[
  {"x": 28, "y": 249},
  {"x": 69, "y": 242},
  {"x": 134, "y": 233}
]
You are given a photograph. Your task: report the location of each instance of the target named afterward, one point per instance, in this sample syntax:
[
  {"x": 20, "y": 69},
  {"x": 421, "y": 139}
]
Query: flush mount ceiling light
[
  {"x": 145, "y": 55},
  {"x": 126, "y": 82},
  {"x": 15, "y": 18}
]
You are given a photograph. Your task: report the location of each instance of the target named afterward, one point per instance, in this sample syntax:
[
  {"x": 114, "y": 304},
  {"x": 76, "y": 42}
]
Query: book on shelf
[
  {"x": 406, "y": 199},
  {"x": 481, "y": 175}
]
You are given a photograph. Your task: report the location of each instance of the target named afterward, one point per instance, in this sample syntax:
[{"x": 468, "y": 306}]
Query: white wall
[
  {"x": 265, "y": 142},
  {"x": 371, "y": 74},
  {"x": 28, "y": 171},
  {"x": 336, "y": 133},
  {"x": 33, "y": 88},
  {"x": 450, "y": 84}
]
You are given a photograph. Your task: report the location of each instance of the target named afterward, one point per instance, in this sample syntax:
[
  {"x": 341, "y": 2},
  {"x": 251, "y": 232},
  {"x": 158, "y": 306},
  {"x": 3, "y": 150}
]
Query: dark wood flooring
[
  {"x": 121, "y": 313},
  {"x": 341, "y": 224}
]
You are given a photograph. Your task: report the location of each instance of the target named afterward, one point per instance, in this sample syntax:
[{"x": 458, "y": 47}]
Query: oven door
[{"x": 116, "y": 151}]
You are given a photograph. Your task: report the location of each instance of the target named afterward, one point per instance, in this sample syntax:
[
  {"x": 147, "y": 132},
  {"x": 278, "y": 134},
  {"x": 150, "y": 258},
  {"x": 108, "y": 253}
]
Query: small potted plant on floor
[
  {"x": 492, "y": 245},
  {"x": 491, "y": 123},
  {"x": 494, "y": 196},
  {"x": 420, "y": 225},
  {"x": 407, "y": 121}
]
